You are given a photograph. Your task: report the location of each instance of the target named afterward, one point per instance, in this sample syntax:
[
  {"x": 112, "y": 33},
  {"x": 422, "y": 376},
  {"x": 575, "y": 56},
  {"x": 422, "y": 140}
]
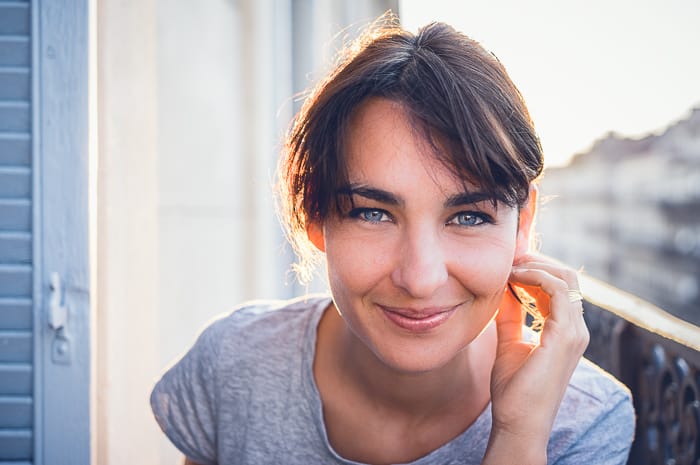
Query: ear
[
  {"x": 526, "y": 224},
  {"x": 314, "y": 231}
]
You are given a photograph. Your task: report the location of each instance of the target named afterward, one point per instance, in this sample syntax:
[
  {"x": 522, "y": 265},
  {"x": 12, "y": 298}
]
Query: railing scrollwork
[{"x": 658, "y": 357}]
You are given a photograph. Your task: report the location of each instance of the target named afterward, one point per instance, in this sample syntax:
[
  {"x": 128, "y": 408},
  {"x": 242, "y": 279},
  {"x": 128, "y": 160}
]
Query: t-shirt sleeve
[
  {"x": 608, "y": 439},
  {"x": 184, "y": 401}
]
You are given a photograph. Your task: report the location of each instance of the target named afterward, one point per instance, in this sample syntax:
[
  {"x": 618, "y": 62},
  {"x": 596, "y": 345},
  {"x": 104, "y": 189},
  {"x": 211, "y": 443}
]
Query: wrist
[{"x": 507, "y": 448}]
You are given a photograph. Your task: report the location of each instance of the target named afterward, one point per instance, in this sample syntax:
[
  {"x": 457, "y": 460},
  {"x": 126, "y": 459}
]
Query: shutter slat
[
  {"x": 15, "y": 347},
  {"x": 15, "y": 215},
  {"x": 14, "y": 51},
  {"x": 15, "y": 280},
  {"x": 16, "y": 270},
  {"x": 15, "y": 248},
  {"x": 14, "y": 83},
  {"x": 15, "y": 182},
  {"x": 17, "y": 412},
  {"x": 16, "y": 314},
  {"x": 15, "y": 149},
  {"x": 15, "y": 379},
  {"x": 14, "y": 117},
  {"x": 14, "y": 18},
  {"x": 16, "y": 444}
]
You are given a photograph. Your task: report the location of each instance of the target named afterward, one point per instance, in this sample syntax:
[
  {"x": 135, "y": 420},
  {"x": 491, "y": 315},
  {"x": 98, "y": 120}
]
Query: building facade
[{"x": 628, "y": 212}]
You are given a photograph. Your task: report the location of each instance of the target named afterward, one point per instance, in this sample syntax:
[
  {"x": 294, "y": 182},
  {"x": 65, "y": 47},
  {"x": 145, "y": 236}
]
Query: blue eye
[
  {"x": 469, "y": 219},
  {"x": 370, "y": 215}
]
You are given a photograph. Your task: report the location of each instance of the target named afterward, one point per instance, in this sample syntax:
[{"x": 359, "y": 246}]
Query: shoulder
[
  {"x": 258, "y": 321},
  {"x": 273, "y": 316},
  {"x": 594, "y": 393},
  {"x": 591, "y": 382},
  {"x": 251, "y": 334},
  {"x": 595, "y": 414},
  {"x": 236, "y": 369}
]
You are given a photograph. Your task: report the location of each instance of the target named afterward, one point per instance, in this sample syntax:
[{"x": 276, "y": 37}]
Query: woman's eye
[
  {"x": 468, "y": 219},
  {"x": 369, "y": 215}
]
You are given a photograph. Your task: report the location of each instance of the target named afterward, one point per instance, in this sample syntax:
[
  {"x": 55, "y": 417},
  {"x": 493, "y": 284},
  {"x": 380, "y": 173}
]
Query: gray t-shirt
[{"x": 245, "y": 394}]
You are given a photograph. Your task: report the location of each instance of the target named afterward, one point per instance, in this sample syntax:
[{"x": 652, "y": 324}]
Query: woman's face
[{"x": 417, "y": 265}]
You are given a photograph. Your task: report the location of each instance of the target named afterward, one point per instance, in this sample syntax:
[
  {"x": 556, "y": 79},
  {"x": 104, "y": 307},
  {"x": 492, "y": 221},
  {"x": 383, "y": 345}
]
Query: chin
[{"x": 420, "y": 356}]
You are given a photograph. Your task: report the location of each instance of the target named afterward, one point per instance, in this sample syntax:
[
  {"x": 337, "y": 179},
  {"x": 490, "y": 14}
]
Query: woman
[{"x": 412, "y": 170}]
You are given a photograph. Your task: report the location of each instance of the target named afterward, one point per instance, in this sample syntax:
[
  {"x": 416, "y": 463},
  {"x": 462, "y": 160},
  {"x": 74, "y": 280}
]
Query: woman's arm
[{"x": 528, "y": 381}]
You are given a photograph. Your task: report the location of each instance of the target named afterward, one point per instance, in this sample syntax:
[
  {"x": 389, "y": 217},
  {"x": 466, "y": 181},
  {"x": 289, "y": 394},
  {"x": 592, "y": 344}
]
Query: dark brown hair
[{"x": 457, "y": 94}]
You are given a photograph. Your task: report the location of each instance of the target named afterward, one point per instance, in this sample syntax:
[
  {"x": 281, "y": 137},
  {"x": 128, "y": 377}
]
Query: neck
[{"x": 461, "y": 386}]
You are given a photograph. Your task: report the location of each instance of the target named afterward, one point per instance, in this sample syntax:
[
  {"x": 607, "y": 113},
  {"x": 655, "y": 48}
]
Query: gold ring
[{"x": 574, "y": 295}]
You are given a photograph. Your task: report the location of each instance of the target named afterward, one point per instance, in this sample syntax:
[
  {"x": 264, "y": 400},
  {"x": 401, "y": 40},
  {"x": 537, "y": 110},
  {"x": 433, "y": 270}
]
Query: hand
[{"x": 528, "y": 381}]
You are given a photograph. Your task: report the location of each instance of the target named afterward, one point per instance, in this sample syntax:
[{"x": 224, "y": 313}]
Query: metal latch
[
  {"x": 58, "y": 312},
  {"x": 58, "y": 319}
]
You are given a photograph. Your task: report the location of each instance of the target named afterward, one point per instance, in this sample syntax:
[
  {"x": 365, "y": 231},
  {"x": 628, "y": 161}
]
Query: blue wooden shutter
[{"x": 16, "y": 267}]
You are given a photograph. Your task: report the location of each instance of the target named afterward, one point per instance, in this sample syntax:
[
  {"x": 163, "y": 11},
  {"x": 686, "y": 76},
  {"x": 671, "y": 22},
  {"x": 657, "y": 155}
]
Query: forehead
[{"x": 384, "y": 144}]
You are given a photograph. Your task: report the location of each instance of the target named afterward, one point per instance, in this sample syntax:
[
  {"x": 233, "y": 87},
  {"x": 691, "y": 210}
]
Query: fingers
[
  {"x": 550, "y": 284},
  {"x": 549, "y": 290},
  {"x": 510, "y": 319},
  {"x": 547, "y": 280}
]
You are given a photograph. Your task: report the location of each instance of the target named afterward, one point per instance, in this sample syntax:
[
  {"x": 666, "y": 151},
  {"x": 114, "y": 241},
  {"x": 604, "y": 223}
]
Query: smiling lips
[{"x": 418, "y": 321}]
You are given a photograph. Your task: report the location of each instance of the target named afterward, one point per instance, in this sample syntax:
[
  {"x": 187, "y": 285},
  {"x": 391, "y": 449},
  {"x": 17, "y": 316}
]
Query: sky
[{"x": 585, "y": 68}]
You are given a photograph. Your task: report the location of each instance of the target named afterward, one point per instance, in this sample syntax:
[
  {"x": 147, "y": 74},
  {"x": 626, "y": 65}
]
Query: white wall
[
  {"x": 127, "y": 322},
  {"x": 201, "y": 208}
]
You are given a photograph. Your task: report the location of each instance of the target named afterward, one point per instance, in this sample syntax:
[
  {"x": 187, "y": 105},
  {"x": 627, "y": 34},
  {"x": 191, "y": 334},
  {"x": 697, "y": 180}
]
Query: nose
[{"x": 420, "y": 268}]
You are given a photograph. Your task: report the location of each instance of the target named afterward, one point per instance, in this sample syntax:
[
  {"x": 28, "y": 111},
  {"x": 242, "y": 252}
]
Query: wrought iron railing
[{"x": 658, "y": 357}]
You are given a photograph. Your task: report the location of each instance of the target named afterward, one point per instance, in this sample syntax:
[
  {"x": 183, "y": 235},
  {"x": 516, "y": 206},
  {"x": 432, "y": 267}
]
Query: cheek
[
  {"x": 355, "y": 261},
  {"x": 485, "y": 266}
]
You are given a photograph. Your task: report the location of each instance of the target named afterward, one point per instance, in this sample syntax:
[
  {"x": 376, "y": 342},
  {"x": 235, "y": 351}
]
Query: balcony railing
[{"x": 658, "y": 357}]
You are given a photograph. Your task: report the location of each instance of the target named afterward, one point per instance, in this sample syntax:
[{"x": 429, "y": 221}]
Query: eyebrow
[
  {"x": 386, "y": 197},
  {"x": 371, "y": 193},
  {"x": 469, "y": 198}
]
